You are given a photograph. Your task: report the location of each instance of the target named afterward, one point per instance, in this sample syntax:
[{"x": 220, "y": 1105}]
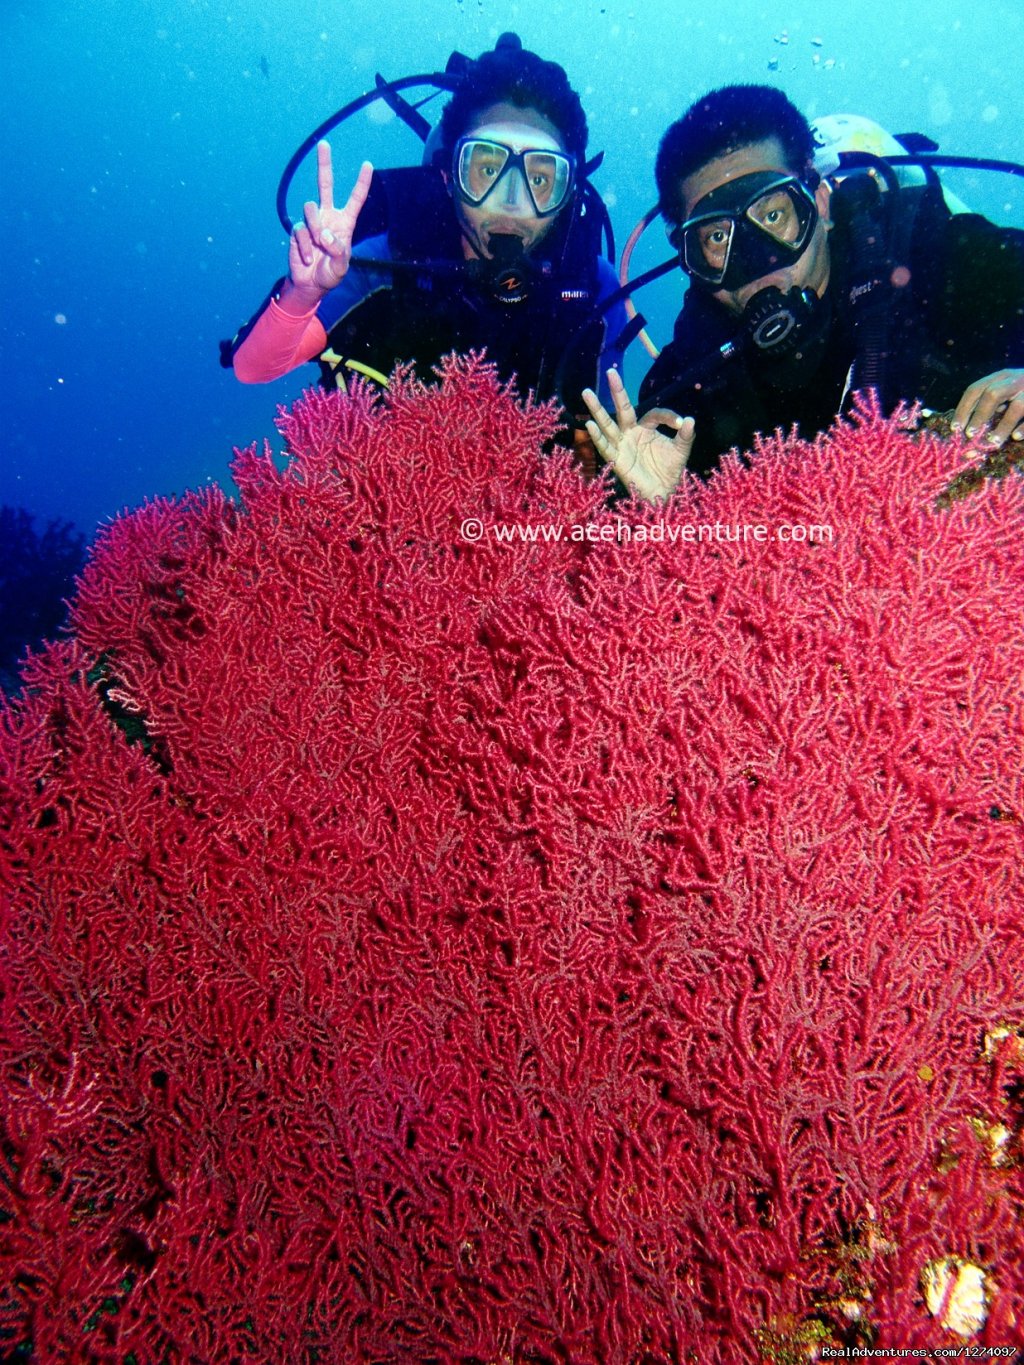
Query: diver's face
[
  {"x": 811, "y": 269},
  {"x": 508, "y": 210}
]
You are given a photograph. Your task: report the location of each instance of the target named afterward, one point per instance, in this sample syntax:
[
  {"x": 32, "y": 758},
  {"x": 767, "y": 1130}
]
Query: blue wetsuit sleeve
[{"x": 359, "y": 283}]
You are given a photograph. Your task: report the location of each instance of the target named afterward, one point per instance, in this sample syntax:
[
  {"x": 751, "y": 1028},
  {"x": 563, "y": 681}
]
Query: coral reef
[
  {"x": 579, "y": 949},
  {"x": 996, "y": 464}
]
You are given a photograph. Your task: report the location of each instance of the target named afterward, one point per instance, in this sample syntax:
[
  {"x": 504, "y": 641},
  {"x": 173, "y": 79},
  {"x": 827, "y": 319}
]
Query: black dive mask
[{"x": 747, "y": 228}]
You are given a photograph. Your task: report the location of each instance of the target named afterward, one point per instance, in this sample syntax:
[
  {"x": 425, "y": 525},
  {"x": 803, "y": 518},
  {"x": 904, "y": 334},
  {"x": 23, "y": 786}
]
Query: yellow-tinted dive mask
[{"x": 479, "y": 166}]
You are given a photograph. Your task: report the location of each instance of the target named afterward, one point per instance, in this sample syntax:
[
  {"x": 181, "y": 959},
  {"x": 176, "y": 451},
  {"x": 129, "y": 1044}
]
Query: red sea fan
[{"x": 593, "y": 949}]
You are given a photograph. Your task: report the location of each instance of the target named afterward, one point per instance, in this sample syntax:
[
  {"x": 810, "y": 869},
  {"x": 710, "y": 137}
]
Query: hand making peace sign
[{"x": 321, "y": 247}]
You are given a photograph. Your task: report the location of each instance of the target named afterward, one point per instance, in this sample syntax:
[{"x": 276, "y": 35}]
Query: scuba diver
[
  {"x": 803, "y": 290},
  {"x": 494, "y": 243}
]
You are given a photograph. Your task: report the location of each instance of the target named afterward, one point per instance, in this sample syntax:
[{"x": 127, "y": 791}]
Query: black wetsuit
[
  {"x": 409, "y": 297},
  {"x": 554, "y": 345},
  {"x": 956, "y": 316}
]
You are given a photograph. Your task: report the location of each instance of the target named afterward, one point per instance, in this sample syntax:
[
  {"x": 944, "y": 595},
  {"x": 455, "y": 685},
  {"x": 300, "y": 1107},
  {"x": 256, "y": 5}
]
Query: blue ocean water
[{"x": 144, "y": 143}]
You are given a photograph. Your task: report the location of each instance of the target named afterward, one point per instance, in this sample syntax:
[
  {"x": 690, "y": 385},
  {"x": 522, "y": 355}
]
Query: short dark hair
[
  {"x": 512, "y": 75},
  {"x": 721, "y": 122}
]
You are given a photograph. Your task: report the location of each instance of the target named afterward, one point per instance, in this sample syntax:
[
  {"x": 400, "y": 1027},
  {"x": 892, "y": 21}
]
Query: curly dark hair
[
  {"x": 719, "y": 123},
  {"x": 512, "y": 75}
]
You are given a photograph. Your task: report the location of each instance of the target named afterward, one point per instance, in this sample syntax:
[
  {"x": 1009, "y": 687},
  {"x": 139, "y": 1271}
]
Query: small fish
[
  {"x": 829, "y": 63},
  {"x": 773, "y": 63},
  {"x": 816, "y": 58},
  {"x": 817, "y": 42},
  {"x": 265, "y": 67},
  {"x": 782, "y": 37}
]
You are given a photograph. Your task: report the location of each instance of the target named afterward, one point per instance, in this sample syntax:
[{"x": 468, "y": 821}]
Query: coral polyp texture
[{"x": 587, "y": 950}]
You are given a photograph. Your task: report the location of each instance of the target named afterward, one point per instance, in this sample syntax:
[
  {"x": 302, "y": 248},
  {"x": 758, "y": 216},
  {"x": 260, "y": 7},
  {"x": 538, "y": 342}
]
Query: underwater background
[{"x": 144, "y": 144}]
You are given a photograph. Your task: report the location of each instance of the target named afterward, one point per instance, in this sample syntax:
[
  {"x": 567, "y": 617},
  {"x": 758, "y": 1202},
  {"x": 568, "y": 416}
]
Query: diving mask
[
  {"x": 746, "y": 229},
  {"x": 479, "y": 165}
]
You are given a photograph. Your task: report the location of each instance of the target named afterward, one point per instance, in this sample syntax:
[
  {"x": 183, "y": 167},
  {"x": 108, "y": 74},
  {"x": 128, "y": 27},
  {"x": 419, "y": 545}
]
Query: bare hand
[
  {"x": 648, "y": 463},
  {"x": 999, "y": 395},
  {"x": 321, "y": 247}
]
